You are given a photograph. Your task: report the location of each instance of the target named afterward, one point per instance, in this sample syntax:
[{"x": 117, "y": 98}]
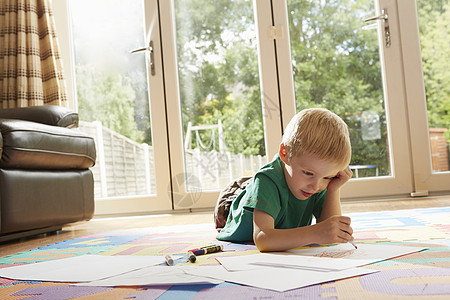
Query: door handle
[
  {"x": 385, "y": 18},
  {"x": 152, "y": 57}
]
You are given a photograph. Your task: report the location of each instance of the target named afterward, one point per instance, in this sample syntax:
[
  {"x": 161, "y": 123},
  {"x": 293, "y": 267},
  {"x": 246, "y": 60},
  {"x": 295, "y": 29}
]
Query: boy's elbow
[
  {"x": 262, "y": 242},
  {"x": 261, "y": 246}
]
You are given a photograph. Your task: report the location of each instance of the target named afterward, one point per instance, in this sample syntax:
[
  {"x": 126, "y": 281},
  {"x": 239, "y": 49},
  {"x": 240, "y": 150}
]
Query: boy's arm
[
  {"x": 335, "y": 229},
  {"x": 332, "y": 205}
]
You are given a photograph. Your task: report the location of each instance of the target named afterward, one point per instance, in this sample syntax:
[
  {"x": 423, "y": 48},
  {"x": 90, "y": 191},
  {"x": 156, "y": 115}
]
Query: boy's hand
[
  {"x": 340, "y": 179},
  {"x": 335, "y": 229}
]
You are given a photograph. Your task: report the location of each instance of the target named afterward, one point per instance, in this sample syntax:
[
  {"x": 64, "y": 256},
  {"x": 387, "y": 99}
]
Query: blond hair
[{"x": 319, "y": 132}]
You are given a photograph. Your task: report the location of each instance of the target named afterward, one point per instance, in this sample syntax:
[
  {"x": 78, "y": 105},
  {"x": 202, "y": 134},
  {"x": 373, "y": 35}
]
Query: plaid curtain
[{"x": 30, "y": 63}]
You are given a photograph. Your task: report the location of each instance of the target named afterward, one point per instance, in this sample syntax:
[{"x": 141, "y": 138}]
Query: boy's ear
[{"x": 283, "y": 153}]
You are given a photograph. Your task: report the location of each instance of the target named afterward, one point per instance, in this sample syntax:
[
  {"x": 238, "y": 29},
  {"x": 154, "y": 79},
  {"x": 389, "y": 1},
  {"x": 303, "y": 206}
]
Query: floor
[{"x": 105, "y": 224}]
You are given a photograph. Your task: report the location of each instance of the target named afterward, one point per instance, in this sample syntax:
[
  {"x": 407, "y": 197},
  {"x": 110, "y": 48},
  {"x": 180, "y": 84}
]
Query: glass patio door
[
  {"x": 311, "y": 53},
  {"x": 427, "y": 80},
  {"x": 120, "y": 101},
  {"x": 219, "y": 127},
  {"x": 354, "y": 68},
  {"x": 219, "y": 80},
  {"x": 190, "y": 96}
]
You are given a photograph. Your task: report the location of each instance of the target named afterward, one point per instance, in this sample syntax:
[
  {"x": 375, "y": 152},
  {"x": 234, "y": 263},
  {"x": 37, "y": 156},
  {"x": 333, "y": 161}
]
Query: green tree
[
  {"x": 219, "y": 71},
  {"x": 336, "y": 66},
  {"x": 105, "y": 97},
  {"x": 103, "y": 37},
  {"x": 434, "y": 26}
]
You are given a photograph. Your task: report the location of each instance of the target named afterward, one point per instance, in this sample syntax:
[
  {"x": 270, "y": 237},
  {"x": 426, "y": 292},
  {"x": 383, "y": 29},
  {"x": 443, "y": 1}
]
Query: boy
[{"x": 304, "y": 179}]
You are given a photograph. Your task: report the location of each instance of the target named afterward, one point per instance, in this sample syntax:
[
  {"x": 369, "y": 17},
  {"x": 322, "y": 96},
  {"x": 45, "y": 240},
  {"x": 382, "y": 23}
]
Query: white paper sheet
[
  {"x": 155, "y": 275},
  {"x": 331, "y": 258},
  {"x": 365, "y": 254},
  {"x": 277, "y": 279},
  {"x": 251, "y": 262},
  {"x": 80, "y": 268}
]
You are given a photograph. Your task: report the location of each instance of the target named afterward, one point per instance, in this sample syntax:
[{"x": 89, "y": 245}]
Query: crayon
[
  {"x": 192, "y": 257},
  {"x": 169, "y": 260},
  {"x": 207, "y": 249},
  {"x": 199, "y": 251},
  {"x": 212, "y": 248},
  {"x": 353, "y": 243}
]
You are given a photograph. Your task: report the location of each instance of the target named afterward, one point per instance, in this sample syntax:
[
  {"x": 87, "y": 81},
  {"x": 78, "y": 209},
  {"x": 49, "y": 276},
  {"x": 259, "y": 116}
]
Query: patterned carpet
[{"x": 422, "y": 275}]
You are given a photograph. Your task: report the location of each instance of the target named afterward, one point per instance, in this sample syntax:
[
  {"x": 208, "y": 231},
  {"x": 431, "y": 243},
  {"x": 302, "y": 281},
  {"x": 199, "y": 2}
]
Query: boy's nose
[{"x": 313, "y": 186}]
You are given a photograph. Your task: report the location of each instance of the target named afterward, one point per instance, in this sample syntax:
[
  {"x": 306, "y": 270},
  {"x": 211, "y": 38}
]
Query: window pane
[
  {"x": 219, "y": 90},
  {"x": 336, "y": 65},
  {"x": 112, "y": 93},
  {"x": 434, "y": 24}
]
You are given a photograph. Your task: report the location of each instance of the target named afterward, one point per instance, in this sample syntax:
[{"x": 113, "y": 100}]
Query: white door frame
[
  {"x": 425, "y": 180},
  {"x": 161, "y": 200}
]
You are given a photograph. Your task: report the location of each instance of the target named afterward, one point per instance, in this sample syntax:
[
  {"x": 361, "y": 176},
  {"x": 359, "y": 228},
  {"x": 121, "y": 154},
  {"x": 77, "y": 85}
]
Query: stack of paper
[
  {"x": 283, "y": 271},
  {"x": 279, "y": 271}
]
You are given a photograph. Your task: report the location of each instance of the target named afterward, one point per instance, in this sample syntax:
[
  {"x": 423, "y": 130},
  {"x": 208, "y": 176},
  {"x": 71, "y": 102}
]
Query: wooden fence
[
  {"x": 123, "y": 166},
  {"x": 214, "y": 170},
  {"x": 127, "y": 168}
]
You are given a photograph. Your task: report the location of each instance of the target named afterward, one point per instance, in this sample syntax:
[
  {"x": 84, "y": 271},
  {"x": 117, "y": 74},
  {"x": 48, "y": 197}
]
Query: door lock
[
  {"x": 385, "y": 18},
  {"x": 152, "y": 57}
]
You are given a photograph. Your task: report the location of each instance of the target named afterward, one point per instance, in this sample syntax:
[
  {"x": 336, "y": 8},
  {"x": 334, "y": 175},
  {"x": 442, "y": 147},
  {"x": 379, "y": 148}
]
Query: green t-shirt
[{"x": 269, "y": 192}]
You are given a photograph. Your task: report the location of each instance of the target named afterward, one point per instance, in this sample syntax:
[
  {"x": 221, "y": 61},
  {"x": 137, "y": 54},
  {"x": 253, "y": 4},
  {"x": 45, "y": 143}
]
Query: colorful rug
[{"x": 424, "y": 275}]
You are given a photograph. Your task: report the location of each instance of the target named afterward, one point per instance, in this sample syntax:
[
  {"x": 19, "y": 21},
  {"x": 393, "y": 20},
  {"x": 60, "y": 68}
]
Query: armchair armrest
[
  {"x": 35, "y": 146},
  {"x": 48, "y": 114}
]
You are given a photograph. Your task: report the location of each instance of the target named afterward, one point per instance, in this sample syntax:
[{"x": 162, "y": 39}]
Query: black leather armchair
[{"x": 45, "y": 181}]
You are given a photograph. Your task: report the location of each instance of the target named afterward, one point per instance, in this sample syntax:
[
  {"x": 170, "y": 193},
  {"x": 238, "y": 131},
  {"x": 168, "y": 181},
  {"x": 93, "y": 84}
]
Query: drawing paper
[
  {"x": 80, "y": 268},
  {"x": 277, "y": 279},
  {"x": 155, "y": 275},
  {"x": 365, "y": 254},
  {"x": 283, "y": 259},
  {"x": 328, "y": 258}
]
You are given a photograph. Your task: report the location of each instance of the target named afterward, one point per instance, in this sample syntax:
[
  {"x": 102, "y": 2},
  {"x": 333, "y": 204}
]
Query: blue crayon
[{"x": 199, "y": 251}]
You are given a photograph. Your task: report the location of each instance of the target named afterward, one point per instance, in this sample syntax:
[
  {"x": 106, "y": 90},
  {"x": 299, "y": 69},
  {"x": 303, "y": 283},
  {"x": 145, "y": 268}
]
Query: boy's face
[{"x": 306, "y": 174}]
